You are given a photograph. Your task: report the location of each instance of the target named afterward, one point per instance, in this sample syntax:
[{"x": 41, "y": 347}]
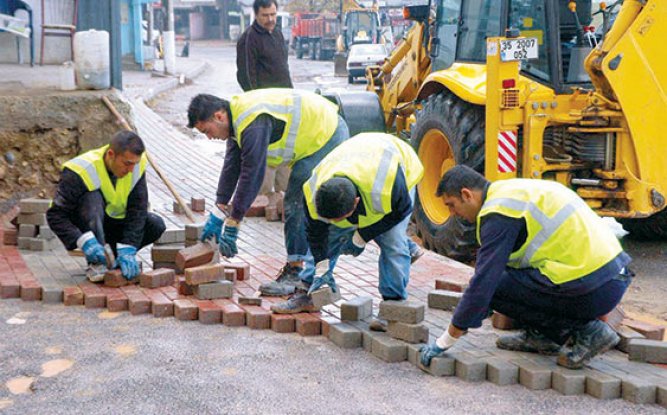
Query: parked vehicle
[
  {"x": 314, "y": 34},
  {"x": 363, "y": 55},
  {"x": 284, "y": 24}
]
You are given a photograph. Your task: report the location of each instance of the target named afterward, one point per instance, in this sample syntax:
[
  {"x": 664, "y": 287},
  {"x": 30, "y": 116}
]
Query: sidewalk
[{"x": 193, "y": 167}]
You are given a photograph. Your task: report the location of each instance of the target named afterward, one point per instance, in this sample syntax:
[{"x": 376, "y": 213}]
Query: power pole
[{"x": 170, "y": 41}]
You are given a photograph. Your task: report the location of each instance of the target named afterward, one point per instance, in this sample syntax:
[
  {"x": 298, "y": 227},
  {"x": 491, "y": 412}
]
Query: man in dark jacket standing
[{"x": 261, "y": 52}]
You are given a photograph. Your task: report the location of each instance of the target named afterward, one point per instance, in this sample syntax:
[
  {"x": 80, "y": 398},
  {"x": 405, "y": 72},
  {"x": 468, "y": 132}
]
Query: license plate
[{"x": 518, "y": 49}]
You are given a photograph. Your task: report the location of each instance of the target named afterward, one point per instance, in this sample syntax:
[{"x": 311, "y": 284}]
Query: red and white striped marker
[{"x": 507, "y": 151}]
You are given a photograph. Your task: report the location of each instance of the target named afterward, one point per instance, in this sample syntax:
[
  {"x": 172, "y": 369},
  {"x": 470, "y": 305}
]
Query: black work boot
[
  {"x": 592, "y": 339},
  {"x": 414, "y": 256},
  {"x": 298, "y": 303},
  {"x": 285, "y": 284},
  {"x": 531, "y": 341}
]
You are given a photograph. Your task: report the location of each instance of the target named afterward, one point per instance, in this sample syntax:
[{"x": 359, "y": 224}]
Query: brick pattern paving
[{"x": 194, "y": 171}]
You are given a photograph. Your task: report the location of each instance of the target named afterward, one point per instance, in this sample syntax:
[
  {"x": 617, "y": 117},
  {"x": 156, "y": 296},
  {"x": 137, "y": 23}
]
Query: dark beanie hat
[{"x": 335, "y": 198}]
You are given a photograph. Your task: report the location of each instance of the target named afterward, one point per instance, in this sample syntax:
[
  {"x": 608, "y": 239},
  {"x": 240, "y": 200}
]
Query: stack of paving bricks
[
  {"x": 193, "y": 233},
  {"x": 165, "y": 249},
  {"x": 33, "y": 232}
]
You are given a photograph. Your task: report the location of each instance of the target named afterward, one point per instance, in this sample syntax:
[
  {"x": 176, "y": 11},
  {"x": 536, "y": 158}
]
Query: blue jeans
[
  {"x": 394, "y": 261},
  {"x": 295, "y": 229},
  {"x": 553, "y": 314}
]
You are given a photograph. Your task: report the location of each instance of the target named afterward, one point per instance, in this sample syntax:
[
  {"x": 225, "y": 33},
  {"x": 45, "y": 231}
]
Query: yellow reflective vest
[
  {"x": 92, "y": 170},
  {"x": 370, "y": 161},
  {"x": 310, "y": 121},
  {"x": 566, "y": 239}
]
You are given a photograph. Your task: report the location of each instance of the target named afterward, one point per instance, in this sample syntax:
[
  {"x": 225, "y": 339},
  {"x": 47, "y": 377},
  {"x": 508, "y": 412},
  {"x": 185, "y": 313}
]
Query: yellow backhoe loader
[{"x": 549, "y": 89}]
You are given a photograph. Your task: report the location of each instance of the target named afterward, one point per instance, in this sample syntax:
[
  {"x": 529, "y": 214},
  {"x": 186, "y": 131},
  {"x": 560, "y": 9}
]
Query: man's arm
[
  {"x": 401, "y": 207},
  {"x": 498, "y": 236},
  {"x": 135, "y": 215},
  {"x": 256, "y": 138},
  {"x": 317, "y": 234},
  {"x": 241, "y": 69},
  {"x": 229, "y": 175},
  {"x": 249, "y": 56},
  {"x": 65, "y": 204}
]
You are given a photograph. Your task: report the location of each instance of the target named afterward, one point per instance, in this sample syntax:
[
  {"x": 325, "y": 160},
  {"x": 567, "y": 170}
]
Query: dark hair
[
  {"x": 126, "y": 140},
  {"x": 264, "y": 4},
  {"x": 335, "y": 198},
  {"x": 459, "y": 177},
  {"x": 203, "y": 106}
]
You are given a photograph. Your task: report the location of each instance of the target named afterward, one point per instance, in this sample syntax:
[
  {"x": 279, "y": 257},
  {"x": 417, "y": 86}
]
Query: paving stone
[
  {"x": 23, "y": 242},
  {"x": 568, "y": 382},
  {"x": 72, "y": 296},
  {"x": 308, "y": 324},
  {"x": 409, "y": 311},
  {"x": 165, "y": 253},
  {"x": 27, "y": 230},
  {"x": 33, "y": 205},
  {"x": 160, "y": 277},
  {"x": 214, "y": 290},
  {"x": 116, "y": 300},
  {"x": 532, "y": 375},
  {"x": 649, "y": 351},
  {"x": 193, "y": 231},
  {"x": 114, "y": 278},
  {"x": 345, "y": 336},
  {"x": 167, "y": 265},
  {"x": 92, "y": 295},
  {"x": 230, "y": 274},
  {"x": 44, "y": 232},
  {"x": 10, "y": 235},
  {"x": 138, "y": 302},
  {"x": 250, "y": 301},
  {"x": 271, "y": 214},
  {"x": 626, "y": 334},
  {"x": 640, "y": 391},
  {"x": 602, "y": 386},
  {"x": 193, "y": 256},
  {"x": 388, "y": 349},
  {"x": 457, "y": 283},
  {"x": 242, "y": 270},
  {"x": 283, "y": 323},
  {"x": 232, "y": 314},
  {"x": 326, "y": 321},
  {"x": 325, "y": 296},
  {"x": 257, "y": 317},
  {"x": 171, "y": 236},
  {"x": 662, "y": 396},
  {"x": 209, "y": 312},
  {"x": 52, "y": 294},
  {"x": 501, "y": 372},
  {"x": 358, "y": 308},
  {"x": 366, "y": 334},
  {"x": 198, "y": 204},
  {"x": 191, "y": 242},
  {"x": 161, "y": 306},
  {"x": 411, "y": 333},
  {"x": 469, "y": 368},
  {"x": 184, "y": 288},
  {"x": 10, "y": 288},
  {"x": 185, "y": 310},
  {"x": 37, "y": 244},
  {"x": 204, "y": 274},
  {"x": 502, "y": 322},
  {"x": 413, "y": 353},
  {"x": 648, "y": 330},
  {"x": 443, "y": 300},
  {"x": 171, "y": 292},
  {"x": 32, "y": 218},
  {"x": 440, "y": 366}
]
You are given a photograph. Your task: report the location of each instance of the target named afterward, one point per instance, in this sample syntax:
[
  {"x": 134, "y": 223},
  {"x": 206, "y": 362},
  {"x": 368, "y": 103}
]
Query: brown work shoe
[
  {"x": 298, "y": 303},
  {"x": 594, "y": 338},
  {"x": 530, "y": 341}
]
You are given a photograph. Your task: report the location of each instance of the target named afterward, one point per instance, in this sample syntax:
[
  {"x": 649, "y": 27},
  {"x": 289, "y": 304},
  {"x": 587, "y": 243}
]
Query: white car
[{"x": 363, "y": 55}]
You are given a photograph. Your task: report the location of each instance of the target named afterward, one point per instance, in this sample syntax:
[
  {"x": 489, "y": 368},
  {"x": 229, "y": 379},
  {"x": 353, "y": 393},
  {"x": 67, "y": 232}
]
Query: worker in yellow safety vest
[
  {"x": 545, "y": 259},
  {"x": 274, "y": 127},
  {"x": 362, "y": 191},
  {"x": 102, "y": 197}
]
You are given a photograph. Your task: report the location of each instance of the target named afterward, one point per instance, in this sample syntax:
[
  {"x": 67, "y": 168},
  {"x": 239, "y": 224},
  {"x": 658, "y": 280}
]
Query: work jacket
[
  {"x": 370, "y": 161},
  {"x": 310, "y": 121},
  {"x": 92, "y": 170},
  {"x": 566, "y": 240}
]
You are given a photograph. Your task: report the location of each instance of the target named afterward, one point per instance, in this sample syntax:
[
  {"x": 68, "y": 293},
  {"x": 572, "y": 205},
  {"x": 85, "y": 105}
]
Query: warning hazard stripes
[{"x": 507, "y": 151}]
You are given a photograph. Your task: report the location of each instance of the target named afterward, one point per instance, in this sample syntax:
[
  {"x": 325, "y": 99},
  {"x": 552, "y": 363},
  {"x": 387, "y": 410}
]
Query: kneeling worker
[
  {"x": 102, "y": 197},
  {"x": 362, "y": 191},
  {"x": 545, "y": 259}
]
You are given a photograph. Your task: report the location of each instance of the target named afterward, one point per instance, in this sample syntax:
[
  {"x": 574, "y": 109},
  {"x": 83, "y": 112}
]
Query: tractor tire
[
  {"x": 448, "y": 131},
  {"x": 653, "y": 228}
]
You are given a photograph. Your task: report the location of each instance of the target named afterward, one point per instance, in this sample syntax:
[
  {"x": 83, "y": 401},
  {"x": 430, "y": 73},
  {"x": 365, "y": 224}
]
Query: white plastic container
[
  {"x": 67, "y": 81},
  {"x": 91, "y": 59}
]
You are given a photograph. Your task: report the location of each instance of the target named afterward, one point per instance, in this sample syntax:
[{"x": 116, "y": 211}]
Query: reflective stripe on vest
[
  {"x": 92, "y": 170},
  {"x": 310, "y": 121}
]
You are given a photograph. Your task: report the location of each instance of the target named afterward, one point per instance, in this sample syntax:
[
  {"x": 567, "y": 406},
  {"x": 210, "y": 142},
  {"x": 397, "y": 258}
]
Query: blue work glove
[
  {"x": 127, "y": 261},
  {"x": 326, "y": 279},
  {"x": 93, "y": 250},
  {"x": 428, "y": 352},
  {"x": 227, "y": 244},
  {"x": 355, "y": 246},
  {"x": 212, "y": 228}
]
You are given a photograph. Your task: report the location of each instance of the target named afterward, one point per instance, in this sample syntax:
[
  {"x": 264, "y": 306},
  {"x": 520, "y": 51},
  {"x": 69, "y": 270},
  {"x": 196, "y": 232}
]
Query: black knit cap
[{"x": 335, "y": 198}]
